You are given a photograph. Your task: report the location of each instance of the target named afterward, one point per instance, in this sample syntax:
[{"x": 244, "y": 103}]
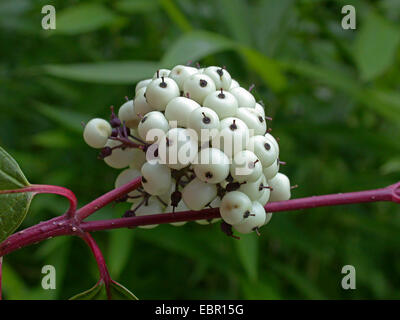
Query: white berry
[
  {"x": 235, "y": 207},
  {"x": 153, "y": 206},
  {"x": 180, "y": 73},
  {"x": 156, "y": 178},
  {"x": 126, "y": 114},
  {"x": 273, "y": 140},
  {"x": 161, "y": 91},
  {"x": 125, "y": 177},
  {"x": 198, "y": 86},
  {"x": 222, "y": 102},
  {"x": 220, "y": 76},
  {"x": 259, "y": 108},
  {"x": 246, "y": 166},
  {"x": 234, "y": 84},
  {"x": 205, "y": 122},
  {"x": 140, "y": 105},
  {"x": 142, "y": 84},
  {"x": 212, "y": 165},
  {"x": 197, "y": 194},
  {"x": 179, "y": 109},
  {"x": 272, "y": 170},
  {"x": 161, "y": 73},
  {"x": 96, "y": 133},
  {"x": 152, "y": 126},
  {"x": 255, "y": 220},
  {"x": 280, "y": 185},
  {"x": 253, "y": 119},
  {"x": 255, "y": 189},
  {"x": 119, "y": 158},
  {"x": 245, "y": 98},
  {"x": 264, "y": 149}
]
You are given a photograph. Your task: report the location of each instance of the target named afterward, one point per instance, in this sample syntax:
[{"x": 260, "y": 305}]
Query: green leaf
[
  {"x": 194, "y": 46},
  {"x": 83, "y": 18},
  {"x": 175, "y": 15},
  {"x": 117, "y": 72},
  {"x": 99, "y": 292},
  {"x": 247, "y": 250},
  {"x": 13, "y": 206},
  {"x": 375, "y": 46}
]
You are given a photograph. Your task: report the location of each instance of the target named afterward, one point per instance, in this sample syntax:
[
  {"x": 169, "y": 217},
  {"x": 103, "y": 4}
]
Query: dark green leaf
[
  {"x": 119, "y": 250},
  {"x": 136, "y": 6},
  {"x": 247, "y": 250},
  {"x": 117, "y": 72},
  {"x": 11, "y": 176}
]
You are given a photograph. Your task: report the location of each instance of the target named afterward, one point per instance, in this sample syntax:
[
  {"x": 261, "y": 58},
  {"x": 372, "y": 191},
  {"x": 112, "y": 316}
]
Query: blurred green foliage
[{"x": 334, "y": 95}]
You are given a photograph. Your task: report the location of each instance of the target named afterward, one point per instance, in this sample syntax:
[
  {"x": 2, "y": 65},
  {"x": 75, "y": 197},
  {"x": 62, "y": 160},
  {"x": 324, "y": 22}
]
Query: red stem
[
  {"x": 107, "y": 198},
  {"x": 42, "y": 188},
  {"x": 1, "y": 272},
  {"x": 104, "y": 274}
]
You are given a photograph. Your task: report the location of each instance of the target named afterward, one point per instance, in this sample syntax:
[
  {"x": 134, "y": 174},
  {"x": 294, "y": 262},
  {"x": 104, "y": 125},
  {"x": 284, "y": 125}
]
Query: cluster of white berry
[{"x": 198, "y": 140}]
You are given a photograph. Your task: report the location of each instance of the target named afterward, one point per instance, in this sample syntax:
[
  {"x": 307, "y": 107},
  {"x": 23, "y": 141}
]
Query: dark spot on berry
[
  {"x": 176, "y": 197},
  {"x": 267, "y": 146},
  {"x": 208, "y": 175},
  {"x": 156, "y": 153},
  {"x": 246, "y": 214},
  {"x": 206, "y": 120},
  {"x": 144, "y": 180},
  {"x": 233, "y": 126},
  {"x": 163, "y": 84},
  {"x": 220, "y": 72},
  {"x": 168, "y": 142},
  {"x": 221, "y": 95},
  {"x": 261, "y": 119},
  {"x": 203, "y": 83},
  {"x": 143, "y": 119}
]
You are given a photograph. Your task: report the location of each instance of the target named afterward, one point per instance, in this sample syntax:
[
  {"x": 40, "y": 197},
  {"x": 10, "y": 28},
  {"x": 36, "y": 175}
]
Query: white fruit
[
  {"x": 254, "y": 190},
  {"x": 280, "y": 185},
  {"x": 234, "y": 84},
  {"x": 161, "y": 73},
  {"x": 220, "y": 76},
  {"x": 166, "y": 197},
  {"x": 96, "y": 133},
  {"x": 179, "y": 109},
  {"x": 177, "y": 148},
  {"x": 259, "y": 108},
  {"x": 273, "y": 140},
  {"x": 253, "y": 119},
  {"x": 235, "y": 206},
  {"x": 125, "y": 177},
  {"x": 139, "y": 158},
  {"x": 223, "y": 103},
  {"x": 142, "y": 84},
  {"x": 212, "y": 165},
  {"x": 156, "y": 178},
  {"x": 264, "y": 149},
  {"x": 265, "y": 193},
  {"x": 272, "y": 170},
  {"x": 245, "y": 98},
  {"x": 214, "y": 204},
  {"x": 153, "y": 126},
  {"x": 140, "y": 105},
  {"x": 120, "y": 158},
  {"x": 180, "y": 73},
  {"x": 197, "y": 194},
  {"x": 255, "y": 220},
  {"x": 152, "y": 207},
  {"x": 198, "y": 86},
  {"x": 233, "y": 136},
  {"x": 126, "y": 114},
  {"x": 267, "y": 218},
  {"x": 161, "y": 91},
  {"x": 246, "y": 166},
  {"x": 205, "y": 122}
]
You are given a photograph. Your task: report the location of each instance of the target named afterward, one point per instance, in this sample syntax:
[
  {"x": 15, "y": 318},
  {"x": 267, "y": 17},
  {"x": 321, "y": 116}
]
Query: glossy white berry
[
  {"x": 220, "y": 76},
  {"x": 265, "y": 193},
  {"x": 267, "y": 218},
  {"x": 212, "y": 165},
  {"x": 245, "y": 98},
  {"x": 179, "y": 109},
  {"x": 156, "y": 178},
  {"x": 198, "y": 86},
  {"x": 142, "y": 84},
  {"x": 255, "y": 220},
  {"x": 161, "y": 73},
  {"x": 119, "y": 158},
  {"x": 125, "y": 177},
  {"x": 260, "y": 109},
  {"x": 161, "y": 91},
  {"x": 205, "y": 122},
  {"x": 280, "y": 185},
  {"x": 233, "y": 136},
  {"x": 197, "y": 194},
  {"x": 214, "y": 204},
  {"x": 126, "y": 114},
  {"x": 253, "y": 119},
  {"x": 255, "y": 189},
  {"x": 180, "y": 73},
  {"x": 177, "y": 148},
  {"x": 139, "y": 158},
  {"x": 96, "y": 133},
  {"x": 264, "y": 149},
  {"x": 152, "y": 126},
  {"x": 273, "y": 140},
  {"x": 222, "y": 102},
  {"x": 246, "y": 166},
  {"x": 234, "y": 84},
  {"x": 140, "y": 105},
  {"x": 235, "y": 207},
  {"x": 153, "y": 206},
  {"x": 272, "y": 170}
]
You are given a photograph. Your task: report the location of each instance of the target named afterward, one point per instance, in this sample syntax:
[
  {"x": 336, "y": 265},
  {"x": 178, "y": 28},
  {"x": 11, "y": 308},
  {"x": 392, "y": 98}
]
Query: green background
[{"x": 333, "y": 94}]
